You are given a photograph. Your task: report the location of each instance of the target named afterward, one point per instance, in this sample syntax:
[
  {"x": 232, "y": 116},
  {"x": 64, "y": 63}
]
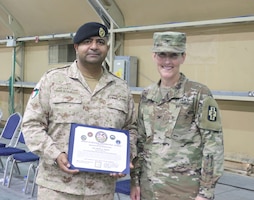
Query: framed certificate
[{"x": 97, "y": 149}]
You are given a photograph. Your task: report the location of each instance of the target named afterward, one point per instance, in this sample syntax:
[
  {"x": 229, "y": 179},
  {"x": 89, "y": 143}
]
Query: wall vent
[{"x": 61, "y": 53}]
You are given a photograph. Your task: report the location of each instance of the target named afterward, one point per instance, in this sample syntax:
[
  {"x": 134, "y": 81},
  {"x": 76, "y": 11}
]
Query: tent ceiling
[{"x": 54, "y": 17}]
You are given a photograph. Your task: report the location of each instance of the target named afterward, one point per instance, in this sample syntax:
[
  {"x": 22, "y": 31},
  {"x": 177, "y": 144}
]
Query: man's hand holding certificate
[{"x": 97, "y": 149}]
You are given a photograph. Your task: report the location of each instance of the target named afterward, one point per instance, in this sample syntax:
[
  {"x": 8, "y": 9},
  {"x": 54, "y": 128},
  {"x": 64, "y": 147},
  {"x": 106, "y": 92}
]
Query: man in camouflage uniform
[
  {"x": 85, "y": 93},
  {"x": 180, "y": 141}
]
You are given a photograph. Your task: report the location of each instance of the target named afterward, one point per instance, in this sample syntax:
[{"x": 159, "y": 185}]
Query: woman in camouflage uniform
[{"x": 180, "y": 142}]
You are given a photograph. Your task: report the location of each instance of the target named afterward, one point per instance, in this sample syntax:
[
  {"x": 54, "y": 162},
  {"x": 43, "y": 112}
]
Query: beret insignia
[{"x": 102, "y": 32}]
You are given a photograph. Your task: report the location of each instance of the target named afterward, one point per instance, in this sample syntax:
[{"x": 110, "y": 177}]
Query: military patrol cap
[
  {"x": 169, "y": 42},
  {"x": 88, "y": 30}
]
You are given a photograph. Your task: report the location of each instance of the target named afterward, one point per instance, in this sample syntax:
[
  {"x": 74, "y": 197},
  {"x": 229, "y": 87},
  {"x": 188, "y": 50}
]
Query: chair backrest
[
  {"x": 11, "y": 128},
  {"x": 20, "y": 141},
  {"x": 21, "y": 138}
]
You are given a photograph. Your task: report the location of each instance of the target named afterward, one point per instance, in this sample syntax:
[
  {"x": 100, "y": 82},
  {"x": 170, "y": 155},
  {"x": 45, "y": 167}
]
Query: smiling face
[
  {"x": 92, "y": 51},
  {"x": 168, "y": 65}
]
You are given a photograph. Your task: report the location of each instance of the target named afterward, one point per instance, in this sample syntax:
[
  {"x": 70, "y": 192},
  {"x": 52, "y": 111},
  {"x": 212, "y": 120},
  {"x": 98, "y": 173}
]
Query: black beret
[{"x": 88, "y": 30}]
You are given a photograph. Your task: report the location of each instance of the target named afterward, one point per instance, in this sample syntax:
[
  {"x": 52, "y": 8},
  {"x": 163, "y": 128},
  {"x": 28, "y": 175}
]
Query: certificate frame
[{"x": 94, "y": 149}]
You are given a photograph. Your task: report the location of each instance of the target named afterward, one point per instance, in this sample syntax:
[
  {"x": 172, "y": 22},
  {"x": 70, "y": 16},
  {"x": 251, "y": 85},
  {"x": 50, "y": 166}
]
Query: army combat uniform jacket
[
  {"x": 62, "y": 97},
  {"x": 180, "y": 143}
]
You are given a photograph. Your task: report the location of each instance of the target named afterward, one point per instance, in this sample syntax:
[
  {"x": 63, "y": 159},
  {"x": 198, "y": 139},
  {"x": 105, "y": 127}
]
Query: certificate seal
[{"x": 101, "y": 137}]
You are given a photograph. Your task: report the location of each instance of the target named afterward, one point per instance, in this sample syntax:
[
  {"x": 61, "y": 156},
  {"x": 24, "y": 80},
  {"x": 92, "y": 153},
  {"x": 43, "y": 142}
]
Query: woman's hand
[{"x": 135, "y": 193}]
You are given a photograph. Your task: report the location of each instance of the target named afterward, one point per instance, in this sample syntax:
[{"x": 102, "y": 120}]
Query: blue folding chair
[
  {"x": 123, "y": 187},
  {"x": 19, "y": 158},
  {"x": 9, "y": 133},
  {"x": 8, "y": 151},
  {"x": 11, "y": 127}
]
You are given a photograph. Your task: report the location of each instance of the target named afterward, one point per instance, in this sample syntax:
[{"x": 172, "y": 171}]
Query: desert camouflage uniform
[
  {"x": 180, "y": 143},
  {"x": 62, "y": 97}
]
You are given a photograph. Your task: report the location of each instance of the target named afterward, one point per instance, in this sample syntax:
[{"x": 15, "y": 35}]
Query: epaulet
[
  {"x": 193, "y": 85},
  {"x": 57, "y": 68},
  {"x": 193, "y": 88},
  {"x": 147, "y": 90}
]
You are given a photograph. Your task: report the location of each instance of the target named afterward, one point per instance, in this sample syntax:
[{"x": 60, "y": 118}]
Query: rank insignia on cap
[
  {"x": 101, "y": 32},
  {"x": 212, "y": 113}
]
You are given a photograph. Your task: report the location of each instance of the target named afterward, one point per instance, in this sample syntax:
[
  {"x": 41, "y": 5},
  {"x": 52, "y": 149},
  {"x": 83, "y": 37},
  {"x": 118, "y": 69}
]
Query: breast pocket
[
  {"x": 185, "y": 128},
  {"x": 66, "y": 107},
  {"x": 116, "y": 112}
]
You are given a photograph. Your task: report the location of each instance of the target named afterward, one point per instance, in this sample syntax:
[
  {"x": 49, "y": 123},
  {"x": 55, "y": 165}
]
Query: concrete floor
[{"x": 231, "y": 186}]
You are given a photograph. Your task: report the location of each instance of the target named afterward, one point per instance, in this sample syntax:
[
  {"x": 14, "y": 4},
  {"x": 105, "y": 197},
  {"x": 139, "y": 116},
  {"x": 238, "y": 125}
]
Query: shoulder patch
[
  {"x": 212, "y": 113},
  {"x": 210, "y": 117},
  {"x": 36, "y": 90}
]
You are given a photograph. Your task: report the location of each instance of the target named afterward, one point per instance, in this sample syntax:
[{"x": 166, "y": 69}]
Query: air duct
[{"x": 109, "y": 12}]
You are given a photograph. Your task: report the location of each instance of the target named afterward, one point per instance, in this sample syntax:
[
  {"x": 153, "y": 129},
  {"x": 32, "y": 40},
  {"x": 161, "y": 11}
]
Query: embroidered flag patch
[{"x": 35, "y": 92}]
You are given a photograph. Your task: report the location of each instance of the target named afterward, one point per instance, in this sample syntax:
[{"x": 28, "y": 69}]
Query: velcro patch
[
  {"x": 212, "y": 113},
  {"x": 210, "y": 118}
]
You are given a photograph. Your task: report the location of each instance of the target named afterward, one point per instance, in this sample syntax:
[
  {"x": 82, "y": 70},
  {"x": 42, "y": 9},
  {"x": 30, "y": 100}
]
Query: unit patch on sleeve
[
  {"x": 210, "y": 118},
  {"x": 212, "y": 113}
]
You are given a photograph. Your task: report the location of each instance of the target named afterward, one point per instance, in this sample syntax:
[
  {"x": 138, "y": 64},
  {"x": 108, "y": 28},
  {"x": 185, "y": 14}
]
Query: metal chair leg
[
  {"x": 118, "y": 196},
  {"x": 34, "y": 181},
  {"x": 11, "y": 173},
  {"x": 6, "y": 169},
  {"x": 1, "y": 163},
  {"x": 16, "y": 168},
  {"x": 31, "y": 167},
  {"x": 14, "y": 165}
]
